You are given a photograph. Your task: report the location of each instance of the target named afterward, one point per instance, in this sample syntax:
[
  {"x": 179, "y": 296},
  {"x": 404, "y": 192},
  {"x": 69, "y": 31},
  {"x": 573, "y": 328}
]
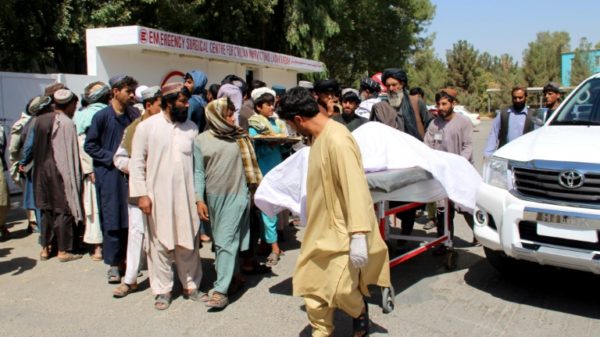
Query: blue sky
[{"x": 508, "y": 26}]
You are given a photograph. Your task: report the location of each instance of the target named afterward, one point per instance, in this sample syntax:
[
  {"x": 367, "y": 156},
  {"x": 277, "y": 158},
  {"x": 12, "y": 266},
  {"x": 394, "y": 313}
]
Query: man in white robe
[{"x": 162, "y": 178}]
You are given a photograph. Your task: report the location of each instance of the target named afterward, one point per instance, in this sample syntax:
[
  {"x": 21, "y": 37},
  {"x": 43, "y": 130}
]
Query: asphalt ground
[{"x": 49, "y": 298}]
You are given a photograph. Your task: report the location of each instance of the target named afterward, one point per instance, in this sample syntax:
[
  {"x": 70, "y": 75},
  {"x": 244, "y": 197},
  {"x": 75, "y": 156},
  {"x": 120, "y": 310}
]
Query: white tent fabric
[{"x": 382, "y": 148}]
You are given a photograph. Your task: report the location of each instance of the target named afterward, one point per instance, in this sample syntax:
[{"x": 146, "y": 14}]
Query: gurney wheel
[
  {"x": 451, "y": 260},
  {"x": 387, "y": 299}
]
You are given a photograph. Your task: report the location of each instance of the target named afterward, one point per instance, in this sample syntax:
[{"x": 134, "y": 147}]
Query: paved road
[{"x": 73, "y": 299}]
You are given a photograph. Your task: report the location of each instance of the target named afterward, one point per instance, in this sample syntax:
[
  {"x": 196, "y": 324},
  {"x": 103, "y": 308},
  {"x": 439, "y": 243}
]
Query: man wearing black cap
[
  {"x": 369, "y": 94},
  {"x": 103, "y": 138},
  {"x": 350, "y": 101},
  {"x": 404, "y": 112},
  {"x": 552, "y": 97},
  {"x": 327, "y": 92}
]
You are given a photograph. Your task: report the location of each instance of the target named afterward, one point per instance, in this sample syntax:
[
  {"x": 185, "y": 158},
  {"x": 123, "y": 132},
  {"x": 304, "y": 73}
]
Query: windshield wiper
[{"x": 576, "y": 122}]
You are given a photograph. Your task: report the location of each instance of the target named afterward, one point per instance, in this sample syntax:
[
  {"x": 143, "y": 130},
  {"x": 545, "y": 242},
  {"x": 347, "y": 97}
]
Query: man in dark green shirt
[{"x": 350, "y": 102}]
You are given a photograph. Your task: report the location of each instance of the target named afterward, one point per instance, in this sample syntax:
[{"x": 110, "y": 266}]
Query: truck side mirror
[{"x": 539, "y": 116}]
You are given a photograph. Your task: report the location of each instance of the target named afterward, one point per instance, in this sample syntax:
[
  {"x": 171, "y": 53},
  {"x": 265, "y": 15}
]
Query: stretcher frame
[{"x": 383, "y": 212}]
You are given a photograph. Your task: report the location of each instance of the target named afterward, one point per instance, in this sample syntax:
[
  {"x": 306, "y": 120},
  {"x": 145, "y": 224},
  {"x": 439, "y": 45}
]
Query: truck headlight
[{"x": 496, "y": 173}]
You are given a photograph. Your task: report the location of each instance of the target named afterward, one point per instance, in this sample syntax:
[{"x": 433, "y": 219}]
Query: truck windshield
[{"x": 583, "y": 107}]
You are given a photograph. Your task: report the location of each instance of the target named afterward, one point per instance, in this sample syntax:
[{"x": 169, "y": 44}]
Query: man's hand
[
  {"x": 202, "y": 210},
  {"x": 358, "y": 250},
  {"x": 93, "y": 178},
  {"x": 21, "y": 168},
  {"x": 145, "y": 204}
]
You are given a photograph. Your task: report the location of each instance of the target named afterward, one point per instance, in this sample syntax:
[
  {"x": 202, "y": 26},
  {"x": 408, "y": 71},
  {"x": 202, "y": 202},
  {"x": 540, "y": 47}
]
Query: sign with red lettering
[{"x": 220, "y": 50}]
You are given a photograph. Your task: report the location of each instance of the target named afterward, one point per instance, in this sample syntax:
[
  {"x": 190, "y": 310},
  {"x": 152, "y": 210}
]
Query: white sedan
[{"x": 473, "y": 117}]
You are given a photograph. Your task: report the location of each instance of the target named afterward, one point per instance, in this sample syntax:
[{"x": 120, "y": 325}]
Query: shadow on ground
[{"x": 563, "y": 290}]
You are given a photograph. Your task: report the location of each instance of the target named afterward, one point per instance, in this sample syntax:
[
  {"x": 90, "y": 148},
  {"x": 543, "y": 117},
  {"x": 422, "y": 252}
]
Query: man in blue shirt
[{"x": 511, "y": 123}]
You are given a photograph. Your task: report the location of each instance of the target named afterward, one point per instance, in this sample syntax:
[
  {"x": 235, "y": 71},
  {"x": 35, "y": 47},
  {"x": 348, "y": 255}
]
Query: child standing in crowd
[{"x": 268, "y": 154}]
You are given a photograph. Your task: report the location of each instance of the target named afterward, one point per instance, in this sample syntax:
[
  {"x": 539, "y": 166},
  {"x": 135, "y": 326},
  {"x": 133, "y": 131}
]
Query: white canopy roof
[{"x": 143, "y": 38}]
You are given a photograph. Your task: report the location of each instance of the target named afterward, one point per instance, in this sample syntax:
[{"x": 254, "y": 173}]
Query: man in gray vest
[{"x": 511, "y": 123}]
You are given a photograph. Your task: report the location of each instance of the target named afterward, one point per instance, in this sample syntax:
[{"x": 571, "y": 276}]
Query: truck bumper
[{"x": 547, "y": 234}]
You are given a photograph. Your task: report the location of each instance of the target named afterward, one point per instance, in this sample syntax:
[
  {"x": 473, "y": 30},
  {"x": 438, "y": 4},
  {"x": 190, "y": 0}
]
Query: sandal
[
  {"x": 195, "y": 295},
  {"x": 273, "y": 259},
  {"x": 429, "y": 225},
  {"x": 44, "y": 254},
  {"x": 162, "y": 301},
  {"x": 206, "y": 297},
  {"x": 114, "y": 276},
  {"x": 97, "y": 256},
  {"x": 255, "y": 269},
  {"x": 217, "y": 300},
  {"x": 69, "y": 257},
  {"x": 124, "y": 289},
  {"x": 360, "y": 325}
]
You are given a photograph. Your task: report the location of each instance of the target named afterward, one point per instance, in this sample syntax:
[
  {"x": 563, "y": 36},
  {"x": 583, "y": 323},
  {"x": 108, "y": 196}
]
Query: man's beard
[
  {"x": 519, "y": 106},
  {"x": 445, "y": 114},
  {"x": 179, "y": 114},
  {"x": 395, "y": 98}
]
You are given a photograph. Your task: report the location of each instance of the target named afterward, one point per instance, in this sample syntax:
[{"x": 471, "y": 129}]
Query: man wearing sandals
[
  {"x": 342, "y": 251},
  {"x": 57, "y": 176},
  {"x": 162, "y": 179}
]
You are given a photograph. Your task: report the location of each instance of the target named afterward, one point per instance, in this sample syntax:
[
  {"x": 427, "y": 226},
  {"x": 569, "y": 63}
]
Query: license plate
[
  {"x": 558, "y": 219},
  {"x": 558, "y": 231}
]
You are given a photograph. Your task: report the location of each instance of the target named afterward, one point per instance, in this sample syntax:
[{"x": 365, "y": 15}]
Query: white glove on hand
[{"x": 358, "y": 250}]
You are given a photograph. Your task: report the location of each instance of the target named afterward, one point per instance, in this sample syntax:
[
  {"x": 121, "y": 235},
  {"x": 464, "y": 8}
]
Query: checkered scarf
[{"x": 216, "y": 112}]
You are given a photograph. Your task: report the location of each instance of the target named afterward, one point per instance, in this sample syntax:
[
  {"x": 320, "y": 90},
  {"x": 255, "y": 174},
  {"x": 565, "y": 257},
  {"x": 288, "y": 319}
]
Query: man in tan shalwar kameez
[
  {"x": 161, "y": 176},
  {"x": 342, "y": 251}
]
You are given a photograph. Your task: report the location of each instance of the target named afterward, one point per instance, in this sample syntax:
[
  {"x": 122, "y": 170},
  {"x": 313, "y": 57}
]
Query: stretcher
[{"x": 415, "y": 186}]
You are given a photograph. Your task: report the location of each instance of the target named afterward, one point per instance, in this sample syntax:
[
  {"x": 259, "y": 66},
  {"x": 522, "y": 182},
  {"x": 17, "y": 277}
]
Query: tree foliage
[
  {"x": 582, "y": 62},
  {"x": 375, "y": 34},
  {"x": 426, "y": 70},
  {"x": 45, "y": 36},
  {"x": 542, "y": 58}
]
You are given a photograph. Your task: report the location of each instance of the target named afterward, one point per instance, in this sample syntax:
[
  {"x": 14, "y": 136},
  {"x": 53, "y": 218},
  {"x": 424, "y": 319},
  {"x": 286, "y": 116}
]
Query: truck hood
[{"x": 555, "y": 143}]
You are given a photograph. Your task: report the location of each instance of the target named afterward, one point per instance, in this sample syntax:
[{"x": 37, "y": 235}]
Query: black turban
[
  {"x": 396, "y": 73},
  {"x": 325, "y": 86}
]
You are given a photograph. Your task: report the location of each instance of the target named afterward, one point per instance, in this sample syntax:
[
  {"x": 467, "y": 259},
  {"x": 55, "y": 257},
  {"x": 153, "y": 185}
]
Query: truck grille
[
  {"x": 528, "y": 231},
  {"x": 540, "y": 183}
]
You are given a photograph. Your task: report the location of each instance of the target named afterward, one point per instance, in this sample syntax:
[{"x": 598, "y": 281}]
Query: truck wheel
[{"x": 499, "y": 260}]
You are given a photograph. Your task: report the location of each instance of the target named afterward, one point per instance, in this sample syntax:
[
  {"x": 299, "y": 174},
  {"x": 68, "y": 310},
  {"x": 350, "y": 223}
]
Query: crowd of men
[{"x": 142, "y": 175}]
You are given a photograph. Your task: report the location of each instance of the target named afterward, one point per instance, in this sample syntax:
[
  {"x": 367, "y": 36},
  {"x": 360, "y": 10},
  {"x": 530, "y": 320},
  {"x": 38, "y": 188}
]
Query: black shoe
[
  {"x": 440, "y": 250},
  {"x": 361, "y": 323}
]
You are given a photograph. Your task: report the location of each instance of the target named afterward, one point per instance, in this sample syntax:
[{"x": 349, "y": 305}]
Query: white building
[{"x": 153, "y": 57}]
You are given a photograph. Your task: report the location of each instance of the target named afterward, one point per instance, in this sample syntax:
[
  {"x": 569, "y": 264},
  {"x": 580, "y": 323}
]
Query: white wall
[
  {"x": 16, "y": 89},
  {"x": 283, "y": 77}
]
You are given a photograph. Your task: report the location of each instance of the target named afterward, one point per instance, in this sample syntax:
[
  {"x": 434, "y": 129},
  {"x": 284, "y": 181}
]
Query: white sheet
[{"x": 382, "y": 148}]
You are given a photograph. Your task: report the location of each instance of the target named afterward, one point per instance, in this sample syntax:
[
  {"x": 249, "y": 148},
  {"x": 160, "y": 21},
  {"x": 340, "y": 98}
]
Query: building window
[{"x": 597, "y": 61}]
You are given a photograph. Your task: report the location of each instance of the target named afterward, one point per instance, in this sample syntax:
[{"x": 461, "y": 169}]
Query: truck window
[{"x": 582, "y": 107}]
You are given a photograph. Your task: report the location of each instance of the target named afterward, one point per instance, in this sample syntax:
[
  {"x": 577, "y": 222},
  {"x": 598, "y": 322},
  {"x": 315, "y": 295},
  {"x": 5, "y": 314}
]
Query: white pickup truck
[{"x": 540, "y": 200}]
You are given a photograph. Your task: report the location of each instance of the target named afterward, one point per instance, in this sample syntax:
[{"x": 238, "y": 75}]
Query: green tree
[
  {"x": 373, "y": 35},
  {"x": 582, "y": 62},
  {"x": 426, "y": 70},
  {"x": 463, "y": 69},
  {"x": 542, "y": 58}
]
